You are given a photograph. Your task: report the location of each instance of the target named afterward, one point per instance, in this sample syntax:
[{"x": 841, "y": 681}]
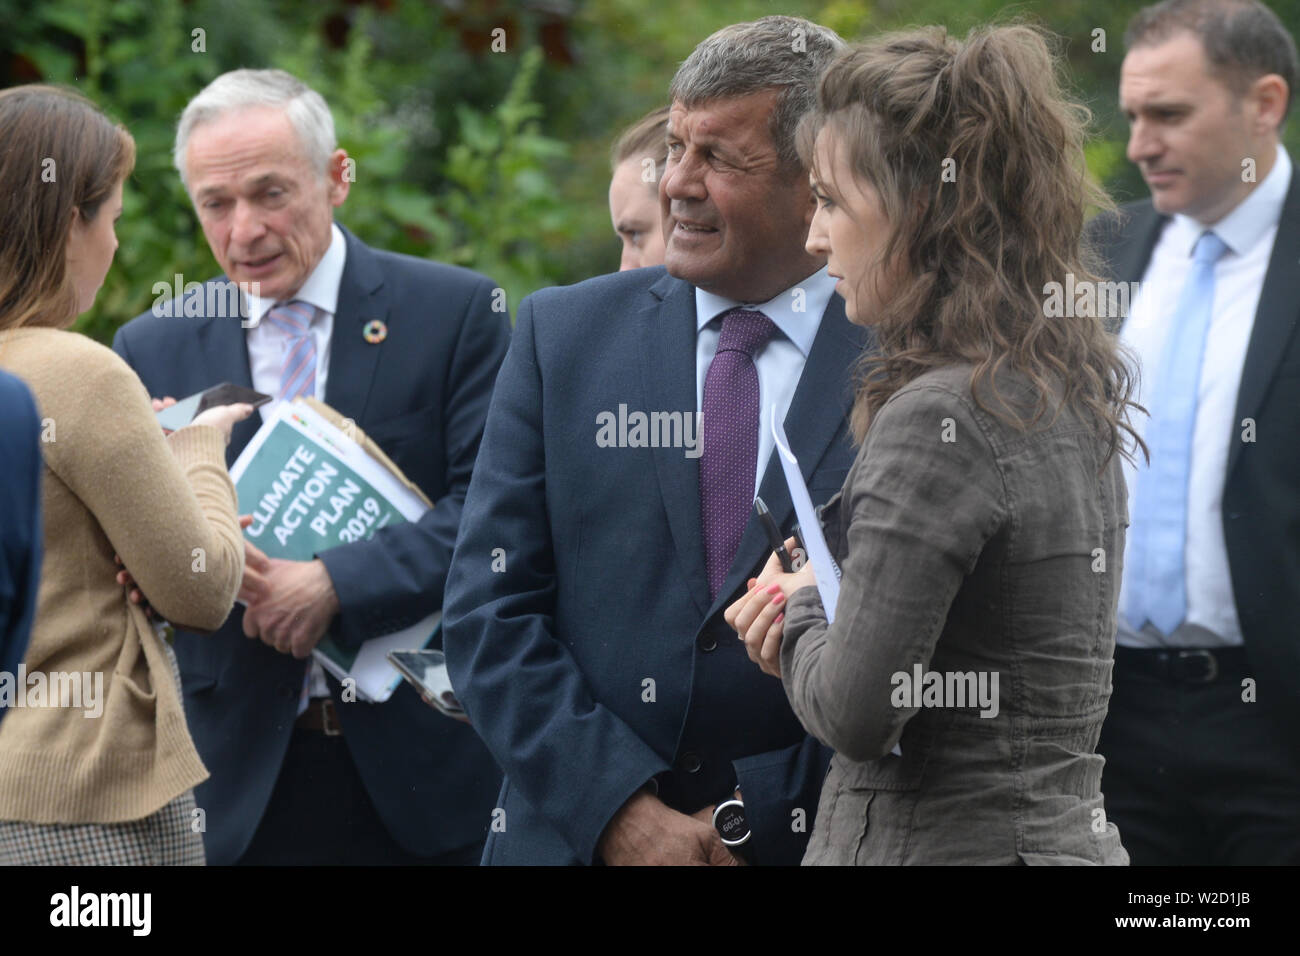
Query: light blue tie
[{"x": 1155, "y": 576}]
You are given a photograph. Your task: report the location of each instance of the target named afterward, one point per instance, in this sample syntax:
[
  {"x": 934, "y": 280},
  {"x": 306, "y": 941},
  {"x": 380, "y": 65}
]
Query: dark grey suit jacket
[{"x": 966, "y": 547}]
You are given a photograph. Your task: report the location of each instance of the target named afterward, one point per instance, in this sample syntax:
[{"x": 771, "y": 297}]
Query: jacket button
[
  {"x": 689, "y": 762},
  {"x": 706, "y": 642},
  {"x": 285, "y": 689}
]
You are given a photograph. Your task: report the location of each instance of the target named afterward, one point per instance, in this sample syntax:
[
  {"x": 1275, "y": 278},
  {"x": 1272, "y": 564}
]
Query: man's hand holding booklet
[{"x": 311, "y": 481}]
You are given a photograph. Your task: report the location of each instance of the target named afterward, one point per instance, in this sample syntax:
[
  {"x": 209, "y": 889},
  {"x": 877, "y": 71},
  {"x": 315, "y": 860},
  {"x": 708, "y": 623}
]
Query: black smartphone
[
  {"x": 426, "y": 671},
  {"x": 183, "y": 412}
]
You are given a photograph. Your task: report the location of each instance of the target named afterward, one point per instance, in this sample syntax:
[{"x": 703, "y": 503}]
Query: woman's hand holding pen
[{"x": 758, "y": 617}]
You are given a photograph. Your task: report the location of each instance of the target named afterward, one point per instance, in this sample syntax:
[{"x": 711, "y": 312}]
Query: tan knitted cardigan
[{"x": 113, "y": 484}]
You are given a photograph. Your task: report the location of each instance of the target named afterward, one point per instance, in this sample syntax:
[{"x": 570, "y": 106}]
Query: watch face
[{"x": 729, "y": 819}]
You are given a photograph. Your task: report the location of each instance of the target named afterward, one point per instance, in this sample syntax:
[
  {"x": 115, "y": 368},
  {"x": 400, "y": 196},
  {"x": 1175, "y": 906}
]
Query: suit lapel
[
  {"x": 1129, "y": 249},
  {"x": 1275, "y": 317},
  {"x": 1141, "y": 235},
  {"x": 667, "y": 362},
  {"x": 362, "y": 298},
  {"x": 815, "y": 417},
  {"x": 225, "y": 352}
]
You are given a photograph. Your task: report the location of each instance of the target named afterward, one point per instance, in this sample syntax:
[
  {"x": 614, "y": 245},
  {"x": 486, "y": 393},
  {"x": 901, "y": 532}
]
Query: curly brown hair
[{"x": 978, "y": 246}]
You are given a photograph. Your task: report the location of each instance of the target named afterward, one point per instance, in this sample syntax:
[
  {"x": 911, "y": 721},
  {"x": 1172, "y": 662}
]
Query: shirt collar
[
  {"x": 1252, "y": 217},
  {"x": 800, "y": 327},
  {"x": 321, "y": 288}
]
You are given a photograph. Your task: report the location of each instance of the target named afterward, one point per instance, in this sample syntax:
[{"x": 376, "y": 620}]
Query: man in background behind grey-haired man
[{"x": 638, "y": 160}]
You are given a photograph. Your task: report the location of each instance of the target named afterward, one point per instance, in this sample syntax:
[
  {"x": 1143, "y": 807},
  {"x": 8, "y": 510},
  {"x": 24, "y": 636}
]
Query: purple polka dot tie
[{"x": 729, "y": 458}]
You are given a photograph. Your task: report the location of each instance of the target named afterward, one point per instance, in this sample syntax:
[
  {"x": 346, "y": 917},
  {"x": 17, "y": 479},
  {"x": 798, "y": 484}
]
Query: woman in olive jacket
[{"x": 966, "y": 674}]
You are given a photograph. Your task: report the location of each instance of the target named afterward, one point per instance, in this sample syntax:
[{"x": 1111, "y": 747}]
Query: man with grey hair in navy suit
[
  {"x": 406, "y": 348},
  {"x": 610, "y": 519}
]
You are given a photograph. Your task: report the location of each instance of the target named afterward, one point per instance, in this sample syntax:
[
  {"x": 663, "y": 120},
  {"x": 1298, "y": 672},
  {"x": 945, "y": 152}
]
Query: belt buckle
[
  {"x": 329, "y": 727},
  {"x": 1211, "y": 665}
]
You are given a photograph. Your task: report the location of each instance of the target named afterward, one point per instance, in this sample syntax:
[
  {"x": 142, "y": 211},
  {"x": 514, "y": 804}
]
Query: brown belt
[{"x": 321, "y": 717}]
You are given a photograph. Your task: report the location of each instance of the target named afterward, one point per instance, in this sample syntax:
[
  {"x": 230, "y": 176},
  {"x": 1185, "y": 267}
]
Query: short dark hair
[{"x": 1243, "y": 39}]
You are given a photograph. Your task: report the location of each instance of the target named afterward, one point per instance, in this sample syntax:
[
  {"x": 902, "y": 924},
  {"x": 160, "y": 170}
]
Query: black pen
[{"x": 773, "y": 534}]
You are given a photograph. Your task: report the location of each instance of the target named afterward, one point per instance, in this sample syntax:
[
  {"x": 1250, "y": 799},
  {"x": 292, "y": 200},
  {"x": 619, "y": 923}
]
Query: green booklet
[{"x": 309, "y": 488}]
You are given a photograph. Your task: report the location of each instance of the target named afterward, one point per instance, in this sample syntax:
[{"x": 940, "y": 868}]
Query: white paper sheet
[
  {"x": 810, "y": 528},
  {"x": 376, "y": 678}
]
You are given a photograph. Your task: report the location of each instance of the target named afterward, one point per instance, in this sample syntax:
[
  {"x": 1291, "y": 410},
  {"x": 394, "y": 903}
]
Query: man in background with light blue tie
[
  {"x": 406, "y": 348},
  {"x": 1202, "y": 742}
]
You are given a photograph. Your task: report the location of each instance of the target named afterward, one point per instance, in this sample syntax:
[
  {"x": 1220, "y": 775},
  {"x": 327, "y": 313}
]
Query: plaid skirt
[{"x": 164, "y": 838}]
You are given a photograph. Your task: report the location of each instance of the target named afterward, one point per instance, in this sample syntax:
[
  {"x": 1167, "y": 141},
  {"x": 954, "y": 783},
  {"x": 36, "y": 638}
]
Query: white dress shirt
[
  {"x": 1248, "y": 231},
  {"x": 267, "y": 343},
  {"x": 780, "y": 362}
]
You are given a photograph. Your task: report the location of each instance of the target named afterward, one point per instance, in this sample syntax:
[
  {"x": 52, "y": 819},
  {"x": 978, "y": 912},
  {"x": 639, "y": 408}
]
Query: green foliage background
[{"x": 493, "y": 160}]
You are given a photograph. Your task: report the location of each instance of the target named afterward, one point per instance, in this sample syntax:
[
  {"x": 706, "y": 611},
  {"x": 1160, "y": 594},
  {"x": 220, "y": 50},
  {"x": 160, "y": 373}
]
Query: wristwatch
[{"x": 729, "y": 820}]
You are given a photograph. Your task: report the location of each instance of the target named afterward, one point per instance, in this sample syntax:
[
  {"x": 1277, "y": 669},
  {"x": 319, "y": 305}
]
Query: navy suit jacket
[
  {"x": 578, "y": 626},
  {"x": 1261, "y": 491},
  {"x": 20, "y": 519},
  {"x": 422, "y": 395}
]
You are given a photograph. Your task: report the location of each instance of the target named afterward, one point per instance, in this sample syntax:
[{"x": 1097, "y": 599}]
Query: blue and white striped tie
[
  {"x": 297, "y": 377},
  {"x": 298, "y": 371},
  {"x": 1155, "y": 576}
]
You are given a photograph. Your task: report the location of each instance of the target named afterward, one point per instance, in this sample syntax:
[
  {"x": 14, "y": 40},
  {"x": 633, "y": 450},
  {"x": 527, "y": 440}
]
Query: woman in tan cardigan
[{"x": 96, "y": 762}]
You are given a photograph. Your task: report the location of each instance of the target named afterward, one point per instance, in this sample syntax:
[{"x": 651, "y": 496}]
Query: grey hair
[
  {"x": 239, "y": 89},
  {"x": 782, "y": 53}
]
